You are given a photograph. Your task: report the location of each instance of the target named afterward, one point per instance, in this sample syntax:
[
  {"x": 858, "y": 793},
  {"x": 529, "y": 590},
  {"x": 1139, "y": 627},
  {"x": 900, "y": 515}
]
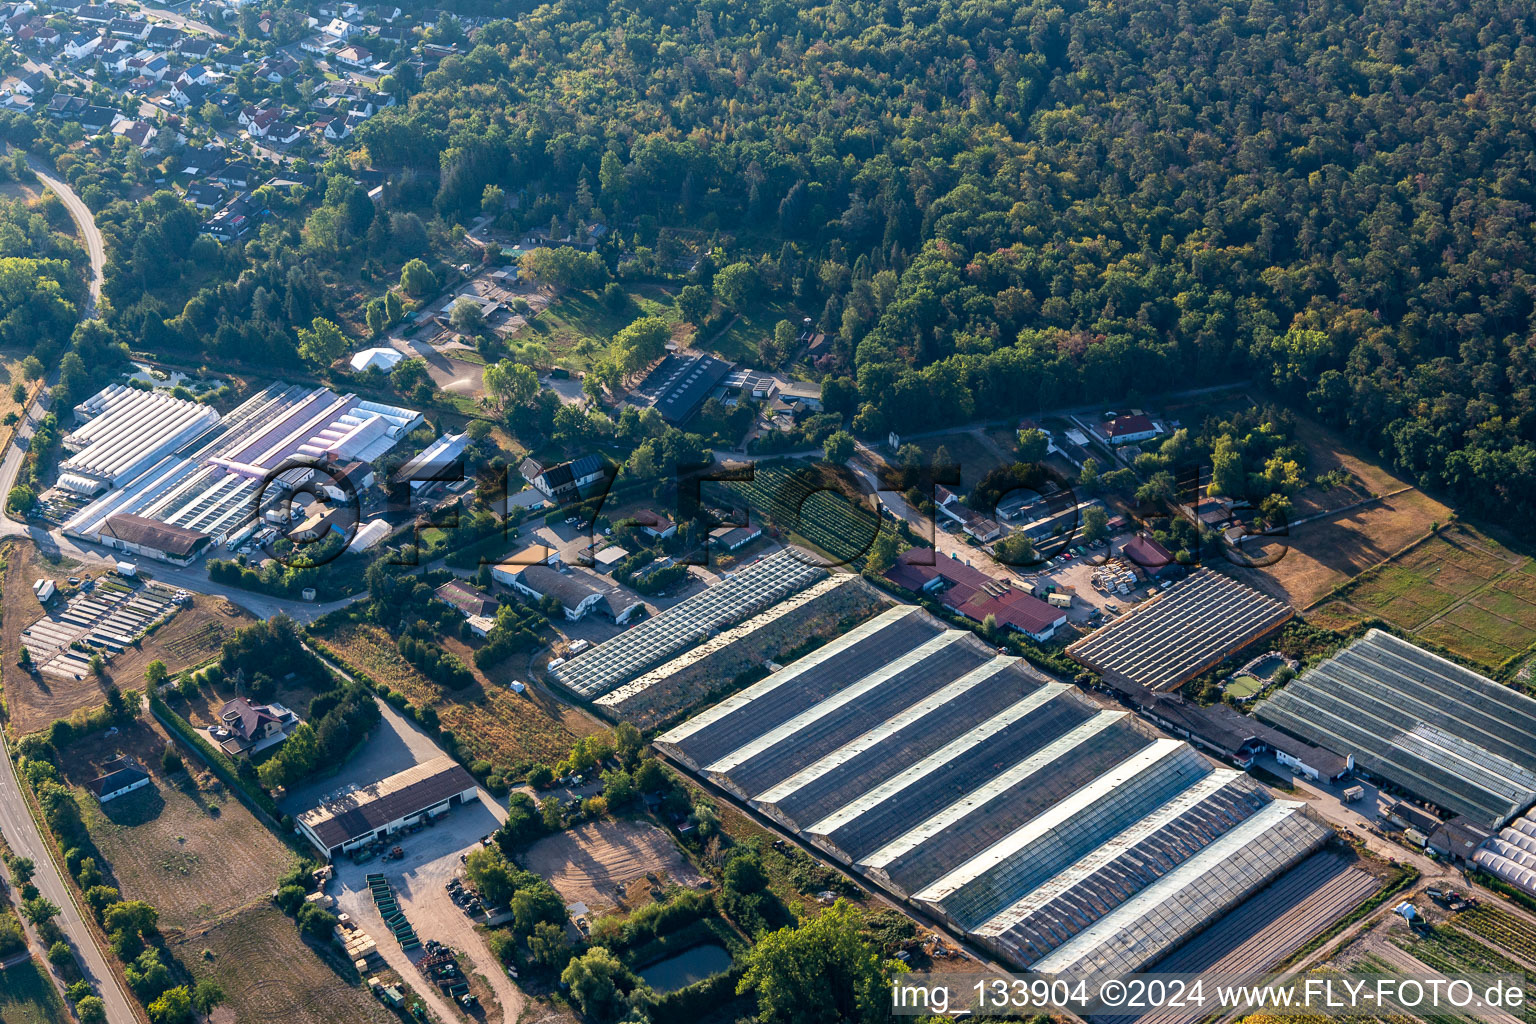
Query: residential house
[
  {"x": 197, "y": 74},
  {"x": 354, "y": 118},
  {"x": 96, "y": 14},
  {"x": 63, "y": 107},
  {"x": 356, "y": 56},
  {"x": 31, "y": 84},
  {"x": 235, "y": 174},
  {"x": 140, "y": 133},
  {"x": 121, "y": 777},
  {"x": 231, "y": 60},
  {"x": 245, "y": 728},
  {"x": 126, "y": 28},
  {"x": 277, "y": 69},
  {"x": 236, "y": 220},
  {"x": 340, "y": 28},
  {"x": 283, "y": 133},
  {"x": 82, "y": 46},
  {"x": 563, "y": 482},
  {"x": 195, "y": 48},
  {"x": 188, "y": 96},
  {"x": 162, "y": 37},
  {"x": 96, "y": 119},
  {"x": 262, "y": 121},
  {"x": 40, "y": 34},
  {"x": 206, "y": 195},
  {"x": 321, "y": 44},
  {"x": 328, "y": 127},
  {"x": 1128, "y": 429}
]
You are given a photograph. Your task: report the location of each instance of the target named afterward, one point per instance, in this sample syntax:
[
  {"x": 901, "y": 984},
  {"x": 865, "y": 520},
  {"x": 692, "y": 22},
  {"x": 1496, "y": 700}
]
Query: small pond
[
  {"x": 687, "y": 967},
  {"x": 1268, "y": 667}
]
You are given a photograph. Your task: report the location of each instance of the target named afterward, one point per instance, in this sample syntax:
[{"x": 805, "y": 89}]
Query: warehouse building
[
  {"x": 357, "y": 818},
  {"x": 222, "y": 481},
  {"x": 124, "y": 431},
  {"x": 1063, "y": 835},
  {"x": 737, "y": 596},
  {"x": 1192, "y": 626},
  {"x": 1439, "y": 731},
  {"x": 160, "y": 541}
]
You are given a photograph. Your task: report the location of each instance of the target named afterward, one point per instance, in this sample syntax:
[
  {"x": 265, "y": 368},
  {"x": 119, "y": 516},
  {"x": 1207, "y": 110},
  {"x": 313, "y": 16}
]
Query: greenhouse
[
  {"x": 737, "y": 596},
  {"x": 994, "y": 798},
  {"x": 1439, "y": 731}
]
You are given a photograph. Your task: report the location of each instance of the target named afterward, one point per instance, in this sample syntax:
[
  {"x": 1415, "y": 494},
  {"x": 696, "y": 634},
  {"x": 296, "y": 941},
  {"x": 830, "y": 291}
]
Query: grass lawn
[
  {"x": 577, "y": 316},
  {"x": 739, "y": 340},
  {"x": 1243, "y": 686},
  {"x": 28, "y": 997}
]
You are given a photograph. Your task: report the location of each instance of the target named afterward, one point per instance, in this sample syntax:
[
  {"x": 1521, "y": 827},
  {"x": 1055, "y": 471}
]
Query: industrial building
[
  {"x": 1511, "y": 855},
  {"x": 1063, "y": 835},
  {"x": 679, "y": 385},
  {"x": 357, "y": 818},
  {"x": 1437, "y": 730},
  {"x": 1192, "y": 626},
  {"x": 737, "y": 596},
  {"x": 123, "y": 432},
  {"x": 218, "y": 480}
]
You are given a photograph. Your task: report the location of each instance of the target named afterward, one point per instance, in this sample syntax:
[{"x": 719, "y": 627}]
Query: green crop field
[{"x": 813, "y": 505}]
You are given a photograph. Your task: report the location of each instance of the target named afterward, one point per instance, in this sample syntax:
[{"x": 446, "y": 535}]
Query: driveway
[{"x": 397, "y": 744}]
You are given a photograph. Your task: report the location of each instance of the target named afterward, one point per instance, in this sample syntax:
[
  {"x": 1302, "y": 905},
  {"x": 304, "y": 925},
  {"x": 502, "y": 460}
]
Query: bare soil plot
[
  {"x": 36, "y": 701},
  {"x": 197, "y": 856},
  {"x": 269, "y": 974},
  {"x": 590, "y": 862},
  {"x": 490, "y": 721}
]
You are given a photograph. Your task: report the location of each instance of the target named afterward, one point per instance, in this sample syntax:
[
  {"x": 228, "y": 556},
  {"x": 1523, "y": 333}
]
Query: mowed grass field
[
  {"x": 1461, "y": 589},
  {"x": 490, "y": 721},
  {"x": 183, "y": 850},
  {"x": 28, "y": 997},
  {"x": 577, "y": 316},
  {"x": 268, "y": 974}
]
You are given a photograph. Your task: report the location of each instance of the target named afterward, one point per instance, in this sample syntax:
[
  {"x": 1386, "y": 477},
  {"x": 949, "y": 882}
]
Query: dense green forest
[{"x": 1000, "y": 207}]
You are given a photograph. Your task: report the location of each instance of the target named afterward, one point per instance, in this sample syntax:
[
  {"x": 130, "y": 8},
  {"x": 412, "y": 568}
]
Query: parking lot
[
  {"x": 1075, "y": 576},
  {"x": 419, "y": 879},
  {"x": 397, "y": 744}
]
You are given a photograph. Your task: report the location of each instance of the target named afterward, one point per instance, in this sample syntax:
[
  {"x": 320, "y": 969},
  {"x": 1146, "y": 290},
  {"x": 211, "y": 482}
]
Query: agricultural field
[
  {"x": 27, "y": 996},
  {"x": 1513, "y": 934},
  {"x": 490, "y": 720},
  {"x": 268, "y": 974},
  {"x": 172, "y": 844},
  {"x": 1461, "y": 589},
  {"x": 813, "y": 505},
  {"x": 591, "y": 861}
]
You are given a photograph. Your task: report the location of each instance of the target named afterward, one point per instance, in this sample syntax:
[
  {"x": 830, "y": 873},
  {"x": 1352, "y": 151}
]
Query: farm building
[
  {"x": 1437, "y": 730},
  {"x": 1128, "y": 429},
  {"x": 1190, "y": 627},
  {"x": 737, "y": 596},
  {"x": 678, "y": 386},
  {"x": 356, "y": 819},
  {"x": 470, "y": 600},
  {"x": 381, "y": 359},
  {"x": 968, "y": 591},
  {"x": 439, "y": 461},
  {"x": 152, "y": 539},
  {"x": 124, "y": 431},
  {"x": 579, "y": 592},
  {"x": 733, "y": 538},
  {"x": 222, "y": 481},
  {"x": 1062, "y": 835},
  {"x": 124, "y": 778}
]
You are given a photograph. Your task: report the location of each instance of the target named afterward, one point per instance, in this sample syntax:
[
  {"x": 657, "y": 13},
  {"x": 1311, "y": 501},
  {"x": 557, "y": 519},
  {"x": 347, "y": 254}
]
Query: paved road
[{"x": 20, "y": 830}]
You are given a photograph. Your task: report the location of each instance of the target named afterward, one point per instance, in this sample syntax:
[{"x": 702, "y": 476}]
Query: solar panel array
[
  {"x": 1190, "y": 627},
  {"x": 1001, "y": 800},
  {"x": 735, "y": 597},
  {"x": 1440, "y": 731}
]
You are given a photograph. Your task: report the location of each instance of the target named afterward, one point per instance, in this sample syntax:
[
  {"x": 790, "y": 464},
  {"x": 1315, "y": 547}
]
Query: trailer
[{"x": 1354, "y": 793}]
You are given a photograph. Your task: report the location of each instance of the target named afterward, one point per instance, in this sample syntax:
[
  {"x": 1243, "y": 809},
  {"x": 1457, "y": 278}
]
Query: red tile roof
[
  {"x": 1120, "y": 425},
  {"x": 973, "y": 593}
]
